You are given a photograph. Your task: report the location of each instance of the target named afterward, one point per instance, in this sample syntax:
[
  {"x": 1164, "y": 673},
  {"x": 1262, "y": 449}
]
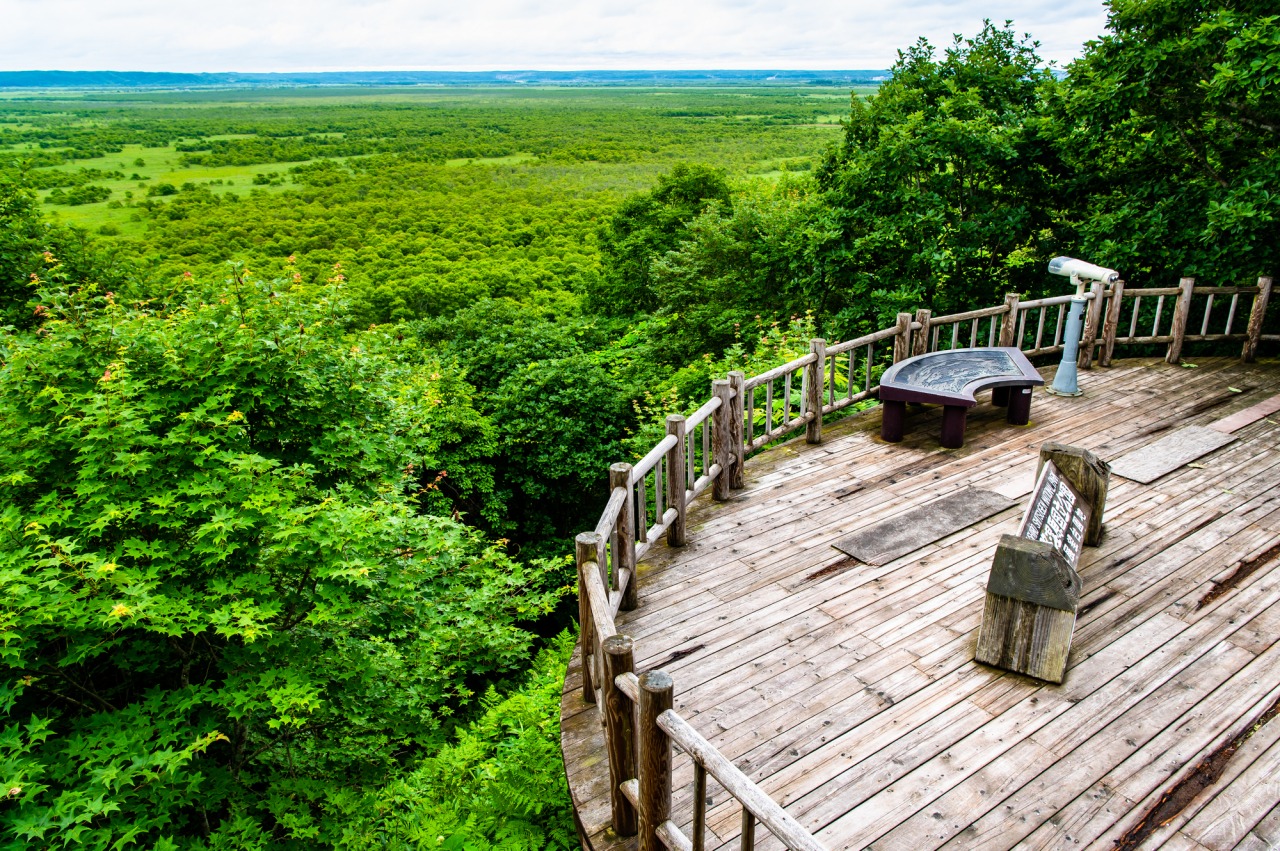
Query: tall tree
[
  {"x": 647, "y": 226},
  {"x": 1172, "y": 126},
  {"x": 943, "y": 181}
]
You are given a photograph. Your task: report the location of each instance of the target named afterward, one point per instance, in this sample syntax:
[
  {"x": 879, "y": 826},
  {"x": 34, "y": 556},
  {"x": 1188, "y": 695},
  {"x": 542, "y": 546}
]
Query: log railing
[
  {"x": 1195, "y": 314},
  {"x": 708, "y": 450}
]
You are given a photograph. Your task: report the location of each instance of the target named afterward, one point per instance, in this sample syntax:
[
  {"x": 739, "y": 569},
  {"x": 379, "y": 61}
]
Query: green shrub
[
  {"x": 224, "y": 611},
  {"x": 500, "y": 784}
]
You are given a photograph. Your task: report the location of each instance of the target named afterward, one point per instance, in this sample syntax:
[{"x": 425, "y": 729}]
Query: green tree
[
  {"x": 562, "y": 421},
  {"x": 32, "y": 249},
  {"x": 23, "y": 238},
  {"x": 766, "y": 257},
  {"x": 1172, "y": 125},
  {"x": 499, "y": 784},
  {"x": 943, "y": 184},
  {"x": 645, "y": 227},
  {"x": 224, "y": 609}
]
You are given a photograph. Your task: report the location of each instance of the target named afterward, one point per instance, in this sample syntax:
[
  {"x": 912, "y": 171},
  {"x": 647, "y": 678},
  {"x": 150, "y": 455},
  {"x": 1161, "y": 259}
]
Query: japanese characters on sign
[{"x": 1057, "y": 514}]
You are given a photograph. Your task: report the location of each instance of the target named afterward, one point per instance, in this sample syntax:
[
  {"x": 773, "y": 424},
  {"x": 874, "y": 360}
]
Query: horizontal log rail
[
  {"x": 779, "y": 371},
  {"x": 707, "y": 450},
  {"x": 756, "y": 805}
]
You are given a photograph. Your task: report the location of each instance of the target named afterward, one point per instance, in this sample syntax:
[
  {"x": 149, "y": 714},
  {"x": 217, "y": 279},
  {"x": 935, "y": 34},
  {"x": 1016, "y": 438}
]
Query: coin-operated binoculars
[{"x": 1064, "y": 383}]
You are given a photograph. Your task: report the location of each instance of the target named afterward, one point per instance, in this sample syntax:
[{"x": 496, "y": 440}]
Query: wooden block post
[
  {"x": 1093, "y": 316},
  {"x": 814, "y": 382},
  {"x": 737, "y": 425},
  {"x": 1088, "y": 474},
  {"x": 1009, "y": 325},
  {"x": 1180, "y": 314},
  {"x": 677, "y": 477},
  {"x": 1256, "y": 315},
  {"x": 619, "y": 725},
  {"x": 722, "y": 439},
  {"x": 902, "y": 340},
  {"x": 1030, "y": 610},
  {"x": 1033, "y": 590},
  {"x": 585, "y": 545},
  {"x": 656, "y": 689},
  {"x": 1112, "y": 323},
  {"x": 920, "y": 342},
  {"x": 624, "y": 554}
]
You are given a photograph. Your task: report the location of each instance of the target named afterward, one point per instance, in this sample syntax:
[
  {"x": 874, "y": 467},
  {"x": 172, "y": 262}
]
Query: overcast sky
[{"x": 476, "y": 35}]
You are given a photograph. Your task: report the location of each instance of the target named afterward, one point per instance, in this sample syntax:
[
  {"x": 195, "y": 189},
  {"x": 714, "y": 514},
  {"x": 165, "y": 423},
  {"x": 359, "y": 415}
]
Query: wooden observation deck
[{"x": 847, "y": 691}]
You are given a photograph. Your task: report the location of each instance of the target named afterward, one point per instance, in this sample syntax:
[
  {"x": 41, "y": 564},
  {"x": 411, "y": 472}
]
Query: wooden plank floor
[{"x": 850, "y": 694}]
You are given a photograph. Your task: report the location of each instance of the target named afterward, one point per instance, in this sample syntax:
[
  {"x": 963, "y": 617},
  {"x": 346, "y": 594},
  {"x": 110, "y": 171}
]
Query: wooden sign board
[
  {"x": 1033, "y": 590},
  {"x": 1057, "y": 514}
]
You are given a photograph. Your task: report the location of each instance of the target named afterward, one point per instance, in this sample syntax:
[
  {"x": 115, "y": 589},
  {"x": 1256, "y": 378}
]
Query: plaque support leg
[
  {"x": 1019, "y": 406},
  {"x": 1000, "y": 397},
  {"x": 893, "y": 419},
  {"x": 953, "y": 421}
]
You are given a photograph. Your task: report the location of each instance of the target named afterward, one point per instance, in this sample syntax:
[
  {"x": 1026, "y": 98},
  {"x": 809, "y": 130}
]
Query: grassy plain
[
  {"x": 469, "y": 192},
  {"x": 143, "y": 139}
]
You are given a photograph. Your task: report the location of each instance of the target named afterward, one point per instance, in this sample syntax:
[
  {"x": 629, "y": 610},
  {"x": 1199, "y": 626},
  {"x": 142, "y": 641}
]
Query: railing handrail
[
  {"x": 737, "y": 784},
  {"x": 779, "y": 371},
  {"x": 651, "y": 459},
  {"x": 864, "y": 340},
  {"x": 606, "y": 557},
  {"x": 1031, "y": 304}
]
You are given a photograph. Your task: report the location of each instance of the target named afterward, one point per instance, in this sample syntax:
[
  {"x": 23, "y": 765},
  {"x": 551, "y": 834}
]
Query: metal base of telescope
[{"x": 1053, "y": 391}]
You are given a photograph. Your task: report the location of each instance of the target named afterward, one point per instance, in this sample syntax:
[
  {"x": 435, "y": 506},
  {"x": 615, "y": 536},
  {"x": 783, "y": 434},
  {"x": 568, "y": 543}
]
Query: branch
[
  {"x": 1204, "y": 161},
  {"x": 65, "y": 677}
]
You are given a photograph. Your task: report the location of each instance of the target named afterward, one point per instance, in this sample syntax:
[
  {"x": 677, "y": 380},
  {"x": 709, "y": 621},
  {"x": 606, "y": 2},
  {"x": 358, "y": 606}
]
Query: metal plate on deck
[
  {"x": 1150, "y": 462},
  {"x": 889, "y": 539}
]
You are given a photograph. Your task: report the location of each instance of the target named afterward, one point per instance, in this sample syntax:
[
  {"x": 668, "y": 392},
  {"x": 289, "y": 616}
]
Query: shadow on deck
[{"x": 849, "y": 693}]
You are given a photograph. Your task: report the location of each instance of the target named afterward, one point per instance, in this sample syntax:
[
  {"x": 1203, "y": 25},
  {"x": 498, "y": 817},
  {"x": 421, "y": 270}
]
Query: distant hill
[{"x": 164, "y": 80}]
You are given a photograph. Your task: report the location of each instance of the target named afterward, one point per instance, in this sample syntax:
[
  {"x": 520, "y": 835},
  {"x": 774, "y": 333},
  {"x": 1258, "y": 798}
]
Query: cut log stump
[
  {"x": 1030, "y": 610},
  {"x": 1033, "y": 591}
]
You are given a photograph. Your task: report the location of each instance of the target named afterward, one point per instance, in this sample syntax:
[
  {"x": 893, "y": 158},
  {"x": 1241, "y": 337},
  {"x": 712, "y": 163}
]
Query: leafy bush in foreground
[
  {"x": 224, "y": 612},
  {"x": 501, "y": 784}
]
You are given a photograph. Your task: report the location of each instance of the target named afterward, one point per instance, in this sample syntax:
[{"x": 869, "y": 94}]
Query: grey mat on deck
[
  {"x": 1150, "y": 462},
  {"x": 911, "y": 530}
]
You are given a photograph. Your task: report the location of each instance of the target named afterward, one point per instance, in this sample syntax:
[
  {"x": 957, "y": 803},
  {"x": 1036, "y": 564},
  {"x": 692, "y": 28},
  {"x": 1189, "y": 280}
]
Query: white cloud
[{"x": 288, "y": 35}]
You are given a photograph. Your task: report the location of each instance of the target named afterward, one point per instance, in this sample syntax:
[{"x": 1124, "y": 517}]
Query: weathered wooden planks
[
  {"x": 833, "y": 713},
  {"x": 1248, "y": 416}
]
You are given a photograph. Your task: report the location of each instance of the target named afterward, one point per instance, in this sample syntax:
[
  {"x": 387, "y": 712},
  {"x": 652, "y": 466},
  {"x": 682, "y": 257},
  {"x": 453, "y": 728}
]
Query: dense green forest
[{"x": 304, "y": 392}]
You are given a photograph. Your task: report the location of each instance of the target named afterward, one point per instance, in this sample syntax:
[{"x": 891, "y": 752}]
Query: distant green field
[
  {"x": 244, "y": 143},
  {"x": 159, "y": 166}
]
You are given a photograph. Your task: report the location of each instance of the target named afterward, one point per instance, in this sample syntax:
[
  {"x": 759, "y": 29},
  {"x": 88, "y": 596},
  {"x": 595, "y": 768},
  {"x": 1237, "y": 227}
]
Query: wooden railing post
[
  {"x": 814, "y": 383},
  {"x": 676, "y": 479},
  {"x": 619, "y": 731},
  {"x": 585, "y": 545},
  {"x": 624, "y": 532},
  {"x": 1092, "y": 319},
  {"x": 721, "y": 439},
  {"x": 1180, "y": 314},
  {"x": 1009, "y": 325},
  {"x": 1112, "y": 323},
  {"x": 655, "y": 758},
  {"x": 902, "y": 340},
  {"x": 748, "y": 839},
  {"x": 737, "y": 426},
  {"x": 920, "y": 342},
  {"x": 1256, "y": 315}
]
